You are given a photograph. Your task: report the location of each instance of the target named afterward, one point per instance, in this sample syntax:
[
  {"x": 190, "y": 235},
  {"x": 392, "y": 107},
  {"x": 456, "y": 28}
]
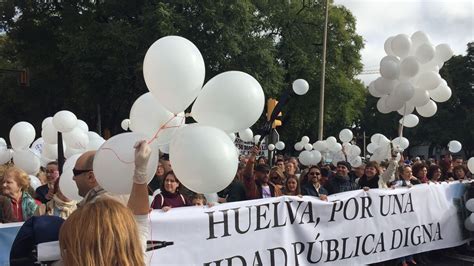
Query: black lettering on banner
[
  {"x": 336, "y": 207},
  {"x": 438, "y": 232},
  {"x": 231, "y": 260},
  {"x": 301, "y": 249},
  {"x": 409, "y": 204},
  {"x": 290, "y": 210},
  {"x": 363, "y": 244},
  {"x": 217, "y": 262},
  {"x": 309, "y": 212},
  {"x": 257, "y": 260},
  {"x": 381, "y": 243},
  {"x": 331, "y": 250},
  {"x": 412, "y": 237},
  {"x": 212, "y": 223},
  {"x": 280, "y": 261},
  {"x": 366, "y": 203},
  {"x": 357, "y": 246},
  {"x": 344, "y": 248},
  {"x": 394, "y": 234},
  {"x": 310, "y": 252},
  {"x": 276, "y": 216},
  {"x": 262, "y": 213},
  {"x": 427, "y": 232},
  {"x": 406, "y": 237},
  {"x": 398, "y": 203},
  {"x": 382, "y": 200},
  {"x": 237, "y": 220},
  {"x": 356, "y": 209}
]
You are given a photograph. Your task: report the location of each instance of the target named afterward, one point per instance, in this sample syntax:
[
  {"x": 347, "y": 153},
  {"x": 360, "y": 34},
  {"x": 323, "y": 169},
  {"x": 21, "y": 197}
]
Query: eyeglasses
[{"x": 76, "y": 172}]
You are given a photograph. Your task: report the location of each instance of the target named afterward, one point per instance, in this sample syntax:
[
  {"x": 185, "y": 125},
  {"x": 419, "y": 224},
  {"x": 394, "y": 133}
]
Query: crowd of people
[{"x": 255, "y": 178}]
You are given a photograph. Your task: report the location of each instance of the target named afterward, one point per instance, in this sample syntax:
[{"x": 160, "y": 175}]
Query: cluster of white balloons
[
  {"x": 280, "y": 145},
  {"x": 381, "y": 147},
  {"x": 329, "y": 149},
  {"x": 30, "y": 156},
  {"x": 410, "y": 77},
  {"x": 203, "y": 155}
]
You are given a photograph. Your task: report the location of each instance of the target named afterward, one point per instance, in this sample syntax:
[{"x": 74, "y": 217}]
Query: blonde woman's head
[{"x": 101, "y": 233}]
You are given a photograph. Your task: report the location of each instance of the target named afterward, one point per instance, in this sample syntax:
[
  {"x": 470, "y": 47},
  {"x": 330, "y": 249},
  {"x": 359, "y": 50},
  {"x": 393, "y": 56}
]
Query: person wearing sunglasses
[
  {"x": 86, "y": 183},
  {"x": 313, "y": 185}
]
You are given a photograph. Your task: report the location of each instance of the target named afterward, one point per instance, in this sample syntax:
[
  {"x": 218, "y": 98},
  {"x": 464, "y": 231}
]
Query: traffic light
[{"x": 271, "y": 103}]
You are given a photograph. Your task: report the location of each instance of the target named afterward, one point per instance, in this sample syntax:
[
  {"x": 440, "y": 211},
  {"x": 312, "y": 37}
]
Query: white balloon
[
  {"x": 470, "y": 166},
  {"x": 335, "y": 147},
  {"x": 148, "y": 116},
  {"x": 125, "y": 124},
  {"x": 76, "y": 138},
  {"x": 94, "y": 143},
  {"x": 428, "y": 80},
  {"x": 308, "y": 146},
  {"x": 306, "y": 158},
  {"x": 356, "y": 161},
  {"x": 246, "y": 135},
  {"x": 401, "y": 45},
  {"x": 212, "y": 198},
  {"x": 404, "y": 91},
  {"x": 280, "y": 145},
  {"x": 82, "y": 125},
  {"x": 316, "y": 155},
  {"x": 299, "y": 146},
  {"x": 71, "y": 152},
  {"x": 384, "y": 86},
  {"x": 470, "y": 203},
  {"x": 427, "y": 110},
  {"x": 34, "y": 182},
  {"x": 410, "y": 120},
  {"x": 345, "y": 135},
  {"x": 50, "y": 151},
  {"x": 232, "y": 136},
  {"x": 379, "y": 139},
  {"x": 454, "y": 146},
  {"x": 271, "y": 147},
  {"x": 409, "y": 67},
  {"x": 64, "y": 121},
  {"x": 5, "y": 155},
  {"x": 320, "y": 145},
  {"x": 47, "y": 120},
  {"x": 300, "y": 86},
  {"x": 401, "y": 142},
  {"x": 388, "y": 46},
  {"x": 407, "y": 109},
  {"x": 195, "y": 150},
  {"x": 305, "y": 139},
  {"x": 49, "y": 133},
  {"x": 231, "y": 101},
  {"x": 425, "y": 53},
  {"x": 382, "y": 105},
  {"x": 420, "y": 98},
  {"x": 390, "y": 67},
  {"x": 22, "y": 135},
  {"x": 26, "y": 160},
  {"x": 354, "y": 150},
  {"x": 393, "y": 103},
  {"x": 372, "y": 147},
  {"x": 374, "y": 92},
  {"x": 37, "y": 146},
  {"x": 114, "y": 162},
  {"x": 419, "y": 38},
  {"x": 66, "y": 183},
  {"x": 468, "y": 224},
  {"x": 331, "y": 141},
  {"x": 256, "y": 139},
  {"x": 443, "y": 52},
  {"x": 174, "y": 72},
  {"x": 166, "y": 148},
  {"x": 441, "y": 94}
]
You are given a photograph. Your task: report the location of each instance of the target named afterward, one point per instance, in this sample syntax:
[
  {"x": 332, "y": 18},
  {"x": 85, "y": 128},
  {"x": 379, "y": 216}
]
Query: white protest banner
[{"x": 353, "y": 228}]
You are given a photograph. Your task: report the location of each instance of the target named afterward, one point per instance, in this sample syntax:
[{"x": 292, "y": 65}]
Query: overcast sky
[{"x": 448, "y": 21}]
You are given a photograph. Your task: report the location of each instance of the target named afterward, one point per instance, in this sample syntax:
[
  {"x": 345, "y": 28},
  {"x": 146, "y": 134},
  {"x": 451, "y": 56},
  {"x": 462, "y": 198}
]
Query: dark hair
[
  {"x": 298, "y": 190},
  {"x": 417, "y": 167},
  {"x": 431, "y": 170},
  {"x": 460, "y": 167},
  {"x": 324, "y": 172},
  {"x": 162, "y": 188},
  {"x": 198, "y": 196},
  {"x": 344, "y": 163},
  {"x": 279, "y": 160},
  {"x": 53, "y": 163},
  {"x": 263, "y": 168},
  {"x": 373, "y": 164},
  {"x": 305, "y": 178}
]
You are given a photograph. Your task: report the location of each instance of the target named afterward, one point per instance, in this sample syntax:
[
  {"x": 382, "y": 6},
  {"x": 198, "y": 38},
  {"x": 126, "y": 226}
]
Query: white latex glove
[{"x": 142, "y": 155}]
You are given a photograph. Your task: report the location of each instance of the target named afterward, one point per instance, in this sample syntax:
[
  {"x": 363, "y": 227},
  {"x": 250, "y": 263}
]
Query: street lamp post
[{"x": 323, "y": 75}]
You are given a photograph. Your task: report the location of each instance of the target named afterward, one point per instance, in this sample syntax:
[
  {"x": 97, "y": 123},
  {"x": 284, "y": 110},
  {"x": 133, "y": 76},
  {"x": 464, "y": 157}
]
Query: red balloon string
[{"x": 164, "y": 126}]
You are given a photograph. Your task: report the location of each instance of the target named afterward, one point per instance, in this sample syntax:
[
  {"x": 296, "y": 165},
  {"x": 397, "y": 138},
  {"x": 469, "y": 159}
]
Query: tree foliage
[{"x": 82, "y": 55}]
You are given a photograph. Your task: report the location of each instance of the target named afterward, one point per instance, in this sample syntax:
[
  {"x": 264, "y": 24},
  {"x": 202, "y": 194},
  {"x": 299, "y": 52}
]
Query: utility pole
[{"x": 323, "y": 75}]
